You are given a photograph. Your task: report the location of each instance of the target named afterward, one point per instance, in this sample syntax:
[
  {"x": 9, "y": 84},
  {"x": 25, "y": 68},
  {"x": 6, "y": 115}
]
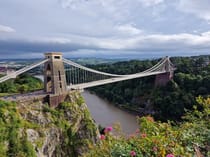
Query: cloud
[
  {"x": 206, "y": 34},
  {"x": 112, "y": 3},
  {"x": 200, "y": 8},
  {"x": 71, "y": 3},
  {"x": 160, "y": 42},
  {"x": 6, "y": 29},
  {"x": 153, "y": 43},
  {"x": 113, "y": 26},
  {"x": 128, "y": 29},
  {"x": 149, "y": 3}
]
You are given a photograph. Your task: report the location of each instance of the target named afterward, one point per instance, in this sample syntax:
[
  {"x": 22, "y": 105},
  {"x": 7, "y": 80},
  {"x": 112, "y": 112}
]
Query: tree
[{"x": 23, "y": 88}]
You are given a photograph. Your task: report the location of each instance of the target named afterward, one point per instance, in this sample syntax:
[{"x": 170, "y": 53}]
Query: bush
[{"x": 156, "y": 139}]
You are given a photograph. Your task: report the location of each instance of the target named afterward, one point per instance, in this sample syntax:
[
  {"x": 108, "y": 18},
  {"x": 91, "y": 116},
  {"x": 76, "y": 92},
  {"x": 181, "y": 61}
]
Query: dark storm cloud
[
  {"x": 105, "y": 27},
  {"x": 16, "y": 46}
]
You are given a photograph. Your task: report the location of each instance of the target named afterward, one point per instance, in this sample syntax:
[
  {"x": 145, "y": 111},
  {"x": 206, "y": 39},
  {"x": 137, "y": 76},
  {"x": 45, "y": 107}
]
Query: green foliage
[
  {"x": 80, "y": 101},
  {"x": 66, "y": 120},
  {"x": 170, "y": 101},
  {"x": 79, "y": 117},
  {"x": 191, "y": 79},
  {"x": 58, "y": 116},
  {"x": 90, "y": 126},
  {"x": 14, "y": 143},
  {"x": 10, "y": 124},
  {"x": 23, "y": 83},
  {"x": 196, "y": 128},
  {"x": 156, "y": 139}
]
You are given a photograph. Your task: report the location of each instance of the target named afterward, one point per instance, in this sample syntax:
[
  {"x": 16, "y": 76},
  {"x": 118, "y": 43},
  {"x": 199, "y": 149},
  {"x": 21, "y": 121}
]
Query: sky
[{"x": 104, "y": 28}]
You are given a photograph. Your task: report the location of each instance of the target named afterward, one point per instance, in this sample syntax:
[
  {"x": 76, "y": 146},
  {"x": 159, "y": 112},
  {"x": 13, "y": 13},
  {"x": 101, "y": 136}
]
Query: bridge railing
[
  {"x": 77, "y": 76},
  {"x": 18, "y": 72}
]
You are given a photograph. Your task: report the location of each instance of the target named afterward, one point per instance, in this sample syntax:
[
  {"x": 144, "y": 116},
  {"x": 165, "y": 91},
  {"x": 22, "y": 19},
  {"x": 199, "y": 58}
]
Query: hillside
[
  {"x": 141, "y": 97},
  {"x": 31, "y": 128}
]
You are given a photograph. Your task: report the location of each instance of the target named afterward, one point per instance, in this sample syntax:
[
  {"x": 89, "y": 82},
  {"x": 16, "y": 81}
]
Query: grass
[{"x": 4, "y": 94}]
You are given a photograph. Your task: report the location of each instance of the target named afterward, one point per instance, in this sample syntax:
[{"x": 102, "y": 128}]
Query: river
[{"x": 106, "y": 114}]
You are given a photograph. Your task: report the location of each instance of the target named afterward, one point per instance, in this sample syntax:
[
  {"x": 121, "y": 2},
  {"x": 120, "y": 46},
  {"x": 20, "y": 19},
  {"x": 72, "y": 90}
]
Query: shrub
[{"x": 156, "y": 139}]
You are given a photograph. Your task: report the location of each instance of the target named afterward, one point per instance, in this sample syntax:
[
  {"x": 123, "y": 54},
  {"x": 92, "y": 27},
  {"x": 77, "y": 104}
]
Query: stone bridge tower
[
  {"x": 163, "y": 79},
  {"x": 54, "y": 78}
]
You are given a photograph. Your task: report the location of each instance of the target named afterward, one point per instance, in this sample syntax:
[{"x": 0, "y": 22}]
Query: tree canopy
[{"x": 191, "y": 79}]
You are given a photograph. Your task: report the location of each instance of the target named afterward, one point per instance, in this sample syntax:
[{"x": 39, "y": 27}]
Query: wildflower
[
  {"x": 154, "y": 149},
  {"x": 108, "y": 129},
  {"x": 133, "y": 153},
  {"x": 169, "y": 155},
  {"x": 137, "y": 131},
  {"x": 102, "y": 137},
  {"x": 143, "y": 135}
]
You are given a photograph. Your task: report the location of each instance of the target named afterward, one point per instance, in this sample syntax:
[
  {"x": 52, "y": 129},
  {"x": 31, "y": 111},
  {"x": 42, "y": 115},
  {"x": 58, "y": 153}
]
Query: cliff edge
[{"x": 32, "y": 128}]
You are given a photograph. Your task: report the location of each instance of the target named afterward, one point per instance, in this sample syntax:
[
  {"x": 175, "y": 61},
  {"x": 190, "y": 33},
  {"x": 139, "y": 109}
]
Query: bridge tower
[
  {"x": 54, "y": 78},
  {"x": 163, "y": 79}
]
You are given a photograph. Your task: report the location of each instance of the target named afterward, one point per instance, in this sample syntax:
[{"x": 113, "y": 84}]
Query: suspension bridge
[{"x": 62, "y": 75}]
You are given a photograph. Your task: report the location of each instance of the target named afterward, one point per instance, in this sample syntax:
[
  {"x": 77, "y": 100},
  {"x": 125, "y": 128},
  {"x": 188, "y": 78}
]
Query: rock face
[{"x": 65, "y": 131}]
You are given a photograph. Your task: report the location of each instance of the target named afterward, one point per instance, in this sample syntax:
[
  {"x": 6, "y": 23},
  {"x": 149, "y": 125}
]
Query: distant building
[{"x": 4, "y": 70}]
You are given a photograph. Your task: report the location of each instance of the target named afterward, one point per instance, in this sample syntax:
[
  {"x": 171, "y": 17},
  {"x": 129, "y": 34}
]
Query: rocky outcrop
[{"x": 65, "y": 131}]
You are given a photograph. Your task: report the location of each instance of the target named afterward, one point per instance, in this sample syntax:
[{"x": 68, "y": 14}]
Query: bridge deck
[{"x": 112, "y": 80}]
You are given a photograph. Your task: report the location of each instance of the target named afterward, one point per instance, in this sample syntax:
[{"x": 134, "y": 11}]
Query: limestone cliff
[{"x": 31, "y": 128}]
